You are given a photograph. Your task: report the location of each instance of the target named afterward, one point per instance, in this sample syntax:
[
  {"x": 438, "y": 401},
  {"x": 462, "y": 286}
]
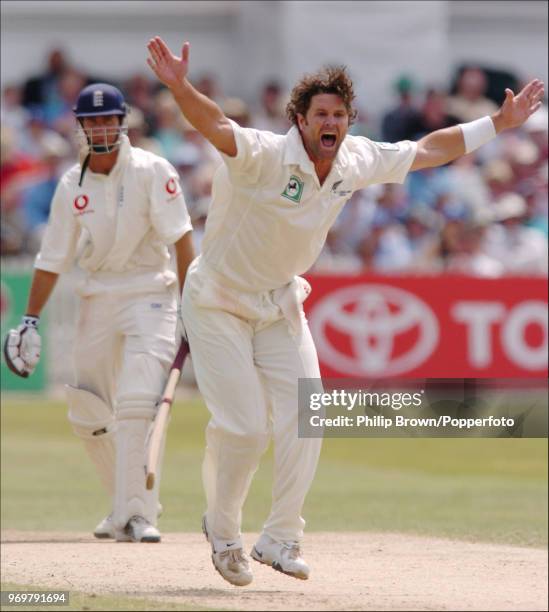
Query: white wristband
[{"x": 478, "y": 132}]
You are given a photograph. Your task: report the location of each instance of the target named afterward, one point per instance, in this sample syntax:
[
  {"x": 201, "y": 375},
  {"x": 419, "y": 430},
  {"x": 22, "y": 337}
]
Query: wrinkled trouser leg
[
  {"x": 283, "y": 358},
  {"x": 238, "y": 432}
]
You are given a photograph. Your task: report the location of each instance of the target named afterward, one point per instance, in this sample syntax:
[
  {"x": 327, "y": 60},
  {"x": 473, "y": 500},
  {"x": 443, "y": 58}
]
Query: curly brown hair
[{"x": 330, "y": 79}]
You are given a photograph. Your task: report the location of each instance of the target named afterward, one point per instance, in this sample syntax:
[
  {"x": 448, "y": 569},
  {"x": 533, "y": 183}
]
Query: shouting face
[{"x": 324, "y": 127}]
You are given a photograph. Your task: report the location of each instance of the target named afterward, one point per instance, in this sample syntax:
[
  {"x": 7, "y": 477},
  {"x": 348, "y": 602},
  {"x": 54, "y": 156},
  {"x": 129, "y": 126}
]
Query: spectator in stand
[
  {"x": 16, "y": 170},
  {"x": 468, "y": 256},
  {"x": 208, "y": 84},
  {"x": 535, "y": 194},
  {"x": 43, "y": 89},
  {"x": 12, "y": 114},
  {"x": 137, "y": 132},
  {"x": 169, "y": 125},
  {"x": 237, "y": 110},
  {"x": 469, "y": 102},
  {"x": 521, "y": 249},
  {"x": 386, "y": 248},
  {"x": 434, "y": 114},
  {"x": 36, "y": 140},
  {"x": 62, "y": 119},
  {"x": 271, "y": 115},
  {"x": 536, "y": 128},
  {"x": 423, "y": 233},
  {"x": 498, "y": 177},
  {"x": 424, "y": 225},
  {"x": 140, "y": 95},
  {"x": 467, "y": 183},
  {"x": 37, "y": 197},
  {"x": 404, "y": 121}
]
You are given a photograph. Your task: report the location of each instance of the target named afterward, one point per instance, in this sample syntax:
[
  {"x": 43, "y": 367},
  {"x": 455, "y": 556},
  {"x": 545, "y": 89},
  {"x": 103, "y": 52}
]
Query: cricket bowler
[
  {"x": 274, "y": 200},
  {"x": 116, "y": 212}
]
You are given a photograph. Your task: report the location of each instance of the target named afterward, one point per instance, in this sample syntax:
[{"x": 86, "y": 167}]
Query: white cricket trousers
[
  {"x": 247, "y": 362},
  {"x": 123, "y": 350}
]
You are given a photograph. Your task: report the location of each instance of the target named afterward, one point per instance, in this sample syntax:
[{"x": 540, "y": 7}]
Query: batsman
[
  {"x": 274, "y": 200},
  {"x": 116, "y": 212}
]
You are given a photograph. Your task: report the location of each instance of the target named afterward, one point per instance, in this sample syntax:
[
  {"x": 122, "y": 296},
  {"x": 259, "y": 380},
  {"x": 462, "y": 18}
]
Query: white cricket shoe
[
  {"x": 105, "y": 529},
  {"x": 138, "y": 529},
  {"x": 283, "y": 557},
  {"x": 233, "y": 565}
]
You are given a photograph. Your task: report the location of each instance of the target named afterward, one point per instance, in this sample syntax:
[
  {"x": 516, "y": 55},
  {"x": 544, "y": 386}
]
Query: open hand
[
  {"x": 516, "y": 109},
  {"x": 169, "y": 69}
]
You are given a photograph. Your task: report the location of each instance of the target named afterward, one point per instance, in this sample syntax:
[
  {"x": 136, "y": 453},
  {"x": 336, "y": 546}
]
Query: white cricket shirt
[
  {"x": 118, "y": 225},
  {"x": 269, "y": 215}
]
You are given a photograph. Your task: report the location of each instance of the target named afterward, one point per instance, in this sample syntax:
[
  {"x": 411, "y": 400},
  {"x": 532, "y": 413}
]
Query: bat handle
[{"x": 181, "y": 354}]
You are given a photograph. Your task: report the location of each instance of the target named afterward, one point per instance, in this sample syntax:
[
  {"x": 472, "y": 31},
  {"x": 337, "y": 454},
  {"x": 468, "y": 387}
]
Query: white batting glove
[{"x": 22, "y": 347}]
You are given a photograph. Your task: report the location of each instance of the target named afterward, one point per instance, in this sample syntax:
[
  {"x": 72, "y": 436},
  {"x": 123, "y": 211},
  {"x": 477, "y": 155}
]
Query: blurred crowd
[{"x": 483, "y": 215}]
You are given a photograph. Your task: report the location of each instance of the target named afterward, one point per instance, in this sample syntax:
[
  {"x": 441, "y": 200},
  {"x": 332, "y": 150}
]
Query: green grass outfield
[{"x": 492, "y": 490}]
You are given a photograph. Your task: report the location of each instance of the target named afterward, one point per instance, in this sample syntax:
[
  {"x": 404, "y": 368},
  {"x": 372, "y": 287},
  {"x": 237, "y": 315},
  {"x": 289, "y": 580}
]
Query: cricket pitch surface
[{"x": 349, "y": 571}]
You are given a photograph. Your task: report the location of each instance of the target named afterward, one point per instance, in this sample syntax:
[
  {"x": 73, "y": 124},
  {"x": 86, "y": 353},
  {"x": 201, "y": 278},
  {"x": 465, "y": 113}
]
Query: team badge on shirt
[
  {"x": 294, "y": 189},
  {"x": 340, "y": 192}
]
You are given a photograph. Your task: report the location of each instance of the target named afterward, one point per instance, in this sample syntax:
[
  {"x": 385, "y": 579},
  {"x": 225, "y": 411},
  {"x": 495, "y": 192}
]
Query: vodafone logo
[
  {"x": 171, "y": 186},
  {"x": 81, "y": 201},
  {"x": 373, "y": 329}
]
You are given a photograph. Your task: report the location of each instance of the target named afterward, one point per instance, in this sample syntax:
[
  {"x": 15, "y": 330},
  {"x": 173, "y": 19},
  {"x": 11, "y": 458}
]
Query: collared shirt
[
  {"x": 118, "y": 225},
  {"x": 269, "y": 215}
]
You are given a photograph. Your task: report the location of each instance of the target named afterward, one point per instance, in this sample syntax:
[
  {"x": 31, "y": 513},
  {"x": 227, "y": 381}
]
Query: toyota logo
[{"x": 373, "y": 330}]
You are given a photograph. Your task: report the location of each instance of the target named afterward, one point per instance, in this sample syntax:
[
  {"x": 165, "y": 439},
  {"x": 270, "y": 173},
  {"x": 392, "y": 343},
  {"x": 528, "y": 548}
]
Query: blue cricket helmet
[{"x": 100, "y": 99}]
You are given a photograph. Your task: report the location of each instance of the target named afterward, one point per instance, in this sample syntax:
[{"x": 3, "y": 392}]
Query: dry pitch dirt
[{"x": 350, "y": 571}]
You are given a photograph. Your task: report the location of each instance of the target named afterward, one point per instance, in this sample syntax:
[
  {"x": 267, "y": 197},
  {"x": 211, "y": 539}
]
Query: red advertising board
[{"x": 429, "y": 327}]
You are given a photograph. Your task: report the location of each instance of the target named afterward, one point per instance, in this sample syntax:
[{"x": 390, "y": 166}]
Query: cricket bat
[{"x": 159, "y": 425}]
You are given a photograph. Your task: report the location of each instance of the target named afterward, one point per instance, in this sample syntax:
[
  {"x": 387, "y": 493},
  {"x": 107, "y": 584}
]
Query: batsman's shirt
[
  {"x": 118, "y": 226},
  {"x": 269, "y": 215}
]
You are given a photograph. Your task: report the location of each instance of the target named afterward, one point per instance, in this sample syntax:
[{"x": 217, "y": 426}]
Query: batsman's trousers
[
  {"x": 125, "y": 344},
  {"x": 247, "y": 359}
]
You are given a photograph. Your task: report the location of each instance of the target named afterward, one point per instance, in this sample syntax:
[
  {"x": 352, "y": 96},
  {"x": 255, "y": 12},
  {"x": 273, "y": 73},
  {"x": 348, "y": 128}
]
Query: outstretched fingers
[
  {"x": 185, "y": 51},
  {"x": 162, "y": 47},
  {"x": 154, "y": 51},
  {"x": 152, "y": 65},
  {"x": 534, "y": 108},
  {"x": 532, "y": 89}
]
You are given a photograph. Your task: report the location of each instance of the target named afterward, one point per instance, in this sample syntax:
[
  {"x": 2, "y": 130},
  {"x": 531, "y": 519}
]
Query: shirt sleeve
[
  {"x": 169, "y": 215},
  {"x": 58, "y": 248},
  {"x": 384, "y": 162},
  {"x": 253, "y": 149}
]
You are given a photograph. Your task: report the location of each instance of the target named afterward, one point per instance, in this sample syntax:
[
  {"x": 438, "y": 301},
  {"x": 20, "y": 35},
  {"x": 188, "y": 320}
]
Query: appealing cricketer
[{"x": 274, "y": 200}]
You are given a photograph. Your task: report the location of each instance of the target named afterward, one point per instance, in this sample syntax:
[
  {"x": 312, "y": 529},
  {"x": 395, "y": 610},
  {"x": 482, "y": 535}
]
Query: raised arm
[
  {"x": 204, "y": 114},
  {"x": 443, "y": 146}
]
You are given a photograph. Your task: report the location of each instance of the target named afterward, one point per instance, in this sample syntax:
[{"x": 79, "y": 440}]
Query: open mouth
[{"x": 328, "y": 140}]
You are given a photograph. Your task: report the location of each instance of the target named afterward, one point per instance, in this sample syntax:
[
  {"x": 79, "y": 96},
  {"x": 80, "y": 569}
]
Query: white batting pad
[
  {"x": 93, "y": 421},
  {"x": 134, "y": 416}
]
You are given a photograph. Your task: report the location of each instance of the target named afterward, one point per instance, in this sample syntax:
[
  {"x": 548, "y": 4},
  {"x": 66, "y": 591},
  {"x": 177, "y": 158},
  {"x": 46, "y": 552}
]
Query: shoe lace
[
  {"x": 294, "y": 551},
  {"x": 235, "y": 555}
]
